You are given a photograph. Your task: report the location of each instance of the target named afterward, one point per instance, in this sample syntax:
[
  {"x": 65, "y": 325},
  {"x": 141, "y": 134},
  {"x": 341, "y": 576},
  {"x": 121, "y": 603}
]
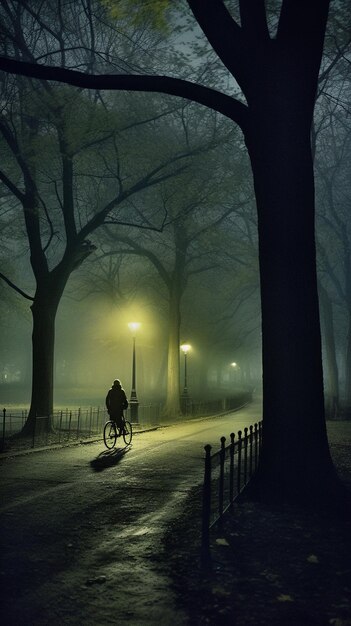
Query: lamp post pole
[
  {"x": 185, "y": 374},
  {"x": 134, "y": 403},
  {"x": 235, "y": 370},
  {"x": 185, "y": 399}
]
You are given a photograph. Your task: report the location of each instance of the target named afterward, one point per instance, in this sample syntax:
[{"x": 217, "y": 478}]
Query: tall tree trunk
[
  {"x": 176, "y": 286},
  {"x": 295, "y": 463},
  {"x": 44, "y": 308},
  {"x": 43, "y": 341},
  {"x": 172, "y": 405}
]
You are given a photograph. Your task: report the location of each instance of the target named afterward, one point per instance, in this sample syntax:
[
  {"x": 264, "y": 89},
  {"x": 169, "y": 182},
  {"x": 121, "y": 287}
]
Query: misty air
[{"x": 175, "y": 354}]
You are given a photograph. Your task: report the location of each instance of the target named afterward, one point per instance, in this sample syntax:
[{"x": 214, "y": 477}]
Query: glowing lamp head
[
  {"x": 185, "y": 347},
  {"x": 133, "y": 327},
  {"x": 234, "y": 364}
]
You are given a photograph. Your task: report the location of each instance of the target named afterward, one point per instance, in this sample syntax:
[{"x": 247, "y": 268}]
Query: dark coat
[{"x": 116, "y": 401}]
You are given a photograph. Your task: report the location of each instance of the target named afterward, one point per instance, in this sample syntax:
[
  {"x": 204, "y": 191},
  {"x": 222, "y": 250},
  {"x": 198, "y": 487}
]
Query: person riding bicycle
[{"x": 116, "y": 402}]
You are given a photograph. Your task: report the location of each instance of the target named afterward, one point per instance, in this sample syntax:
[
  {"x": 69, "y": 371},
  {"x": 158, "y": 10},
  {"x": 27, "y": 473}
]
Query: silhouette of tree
[
  {"x": 277, "y": 73},
  {"x": 59, "y": 221}
]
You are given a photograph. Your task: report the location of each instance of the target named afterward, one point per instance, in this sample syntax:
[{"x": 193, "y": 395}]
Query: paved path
[{"x": 82, "y": 528}]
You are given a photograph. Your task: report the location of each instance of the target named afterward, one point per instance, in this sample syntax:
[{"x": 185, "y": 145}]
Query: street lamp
[
  {"x": 185, "y": 347},
  {"x": 235, "y": 368},
  {"x": 134, "y": 404}
]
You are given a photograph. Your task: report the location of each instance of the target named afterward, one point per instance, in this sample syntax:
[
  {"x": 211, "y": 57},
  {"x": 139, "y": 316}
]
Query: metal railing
[
  {"x": 227, "y": 471},
  {"x": 65, "y": 426},
  {"x": 69, "y": 425}
]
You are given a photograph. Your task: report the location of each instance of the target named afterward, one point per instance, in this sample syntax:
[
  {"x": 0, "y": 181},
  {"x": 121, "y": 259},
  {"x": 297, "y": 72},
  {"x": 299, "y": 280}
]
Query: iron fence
[
  {"x": 69, "y": 425},
  {"x": 227, "y": 471},
  {"x": 66, "y": 425}
]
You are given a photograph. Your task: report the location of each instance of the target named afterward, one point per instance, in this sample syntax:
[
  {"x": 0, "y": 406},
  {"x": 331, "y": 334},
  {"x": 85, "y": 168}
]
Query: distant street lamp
[
  {"x": 235, "y": 369},
  {"x": 134, "y": 403},
  {"x": 185, "y": 347}
]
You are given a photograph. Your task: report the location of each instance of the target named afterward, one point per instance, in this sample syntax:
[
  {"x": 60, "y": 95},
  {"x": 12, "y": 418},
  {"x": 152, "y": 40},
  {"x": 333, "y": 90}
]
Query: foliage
[{"x": 153, "y": 12}]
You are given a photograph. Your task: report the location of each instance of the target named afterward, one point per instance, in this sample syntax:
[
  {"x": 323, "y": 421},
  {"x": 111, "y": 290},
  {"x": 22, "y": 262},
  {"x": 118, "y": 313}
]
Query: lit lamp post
[
  {"x": 134, "y": 403},
  {"x": 185, "y": 347},
  {"x": 235, "y": 369}
]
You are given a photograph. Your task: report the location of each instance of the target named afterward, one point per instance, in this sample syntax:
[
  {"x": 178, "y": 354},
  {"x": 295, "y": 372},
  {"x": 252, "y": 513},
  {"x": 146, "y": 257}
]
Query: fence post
[
  {"x": 240, "y": 443},
  {"x": 221, "y": 477},
  {"x": 256, "y": 442},
  {"x": 69, "y": 424},
  {"x": 60, "y": 427},
  {"x": 231, "y": 474},
  {"x": 251, "y": 451},
  {"x": 3, "y": 428},
  {"x": 78, "y": 422},
  {"x": 260, "y": 435},
  {"x": 206, "y": 508},
  {"x": 245, "y": 454}
]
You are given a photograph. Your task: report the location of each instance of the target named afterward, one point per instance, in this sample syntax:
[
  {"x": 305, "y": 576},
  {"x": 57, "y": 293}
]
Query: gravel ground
[{"x": 270, "y": 565}]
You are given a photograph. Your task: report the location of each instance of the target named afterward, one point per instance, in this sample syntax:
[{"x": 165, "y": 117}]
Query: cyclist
[{"x": 116, "y": 402}]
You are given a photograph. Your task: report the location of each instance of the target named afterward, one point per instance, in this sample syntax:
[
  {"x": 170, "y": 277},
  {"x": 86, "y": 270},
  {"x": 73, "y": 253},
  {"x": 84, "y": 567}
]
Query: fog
[
  {"x": 94, "y": 346},
  {"x": 145, "y": 211}
]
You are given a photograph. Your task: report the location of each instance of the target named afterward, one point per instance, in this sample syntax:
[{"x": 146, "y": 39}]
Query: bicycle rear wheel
[
  {"x": 127, "y": 433},
  {"x": 110, "y": 434}
]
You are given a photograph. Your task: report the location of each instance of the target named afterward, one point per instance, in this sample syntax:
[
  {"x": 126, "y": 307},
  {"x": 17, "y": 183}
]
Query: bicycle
[{"x": 112, "y": 432}]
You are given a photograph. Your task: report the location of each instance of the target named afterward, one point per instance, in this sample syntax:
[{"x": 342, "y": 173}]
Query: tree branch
[
  {"x": 224, "y": 104},
  {"x": 12, "y": 187},
  {"x": 254, "y": 19},
  {"x": 13, "y": 286},
  {"x": 213, "y": 18},
  {"x": 140, "y": 251}
]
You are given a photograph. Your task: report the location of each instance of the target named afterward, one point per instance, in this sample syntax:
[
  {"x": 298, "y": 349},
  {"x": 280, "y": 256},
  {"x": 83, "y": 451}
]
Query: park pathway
[{"x": 82, "y": 528}]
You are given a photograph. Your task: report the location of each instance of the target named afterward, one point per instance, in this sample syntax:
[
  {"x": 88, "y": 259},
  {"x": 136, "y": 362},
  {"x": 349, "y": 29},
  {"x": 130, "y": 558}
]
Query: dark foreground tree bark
[
  {"x": 295, "y": 461},
  {"x": 279, "y": 79}
]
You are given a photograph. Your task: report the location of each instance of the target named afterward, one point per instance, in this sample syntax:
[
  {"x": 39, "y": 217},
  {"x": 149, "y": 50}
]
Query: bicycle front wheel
[
  {"x": 110, "y": 435},
  {"x": 127, "y": 433}
]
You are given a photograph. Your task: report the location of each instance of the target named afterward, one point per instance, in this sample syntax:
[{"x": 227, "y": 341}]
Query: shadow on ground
[{"x": 108, "y": 458}]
